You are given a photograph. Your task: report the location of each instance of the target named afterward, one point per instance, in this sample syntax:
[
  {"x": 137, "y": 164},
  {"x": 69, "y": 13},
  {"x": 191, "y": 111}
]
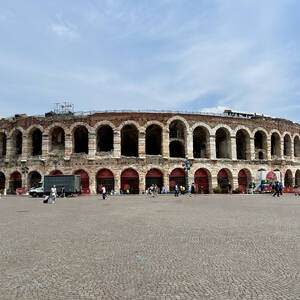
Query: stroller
[{"x": 46, "y": 200}]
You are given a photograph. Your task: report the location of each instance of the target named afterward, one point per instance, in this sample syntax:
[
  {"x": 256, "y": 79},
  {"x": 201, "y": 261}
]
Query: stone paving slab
[{"x": 138, "y": 247}]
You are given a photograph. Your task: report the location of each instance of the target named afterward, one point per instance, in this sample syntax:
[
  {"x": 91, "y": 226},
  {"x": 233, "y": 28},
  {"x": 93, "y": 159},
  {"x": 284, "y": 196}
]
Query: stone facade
[{"x": 117, "y": 141}]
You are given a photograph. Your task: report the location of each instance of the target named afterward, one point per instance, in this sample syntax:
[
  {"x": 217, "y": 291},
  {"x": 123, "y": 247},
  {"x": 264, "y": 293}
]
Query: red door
[
  {"x": 177, "y": 176},
  {"x": 201, "y": 181},
  {"x": 242, "y": 180},
  {"x": 130, "y": 181},
  {"x": 84, "y": 181}
]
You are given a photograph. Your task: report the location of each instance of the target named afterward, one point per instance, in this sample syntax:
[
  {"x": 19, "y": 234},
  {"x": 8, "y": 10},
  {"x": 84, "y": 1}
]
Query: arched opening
[
  {"x": 202, "y": 181},
  {"x": 17, "y": 143},
  {"x": 84, "y": 181},
  {"x": 36, "y": 142},
  {"x": 56, "y": 172},
  {"x": 275, "y": 145},
  {"x": 297, "y": 178},
  {"x": 287, "y": 145},
  {"x": 105, "y": 139},
  {"x": 288, "y": 179},
  {"x": 177, "y": 176},
  {"x": 130, "y": 181},
  {"x": 242, "y": 145},
  {"x": 177, "y": 138},
  {"x": 2, "y": 181},
  {"x": 81, "y": 140},
  {"x": 154, "y": 176},
  {"x": 244, "y": 178},
  {"x": 3, "y": 142},
  {"x": 177, "y": 149},
  {"x": 223, "y": 149},
  {"x": 200, "y": 142},
  {"x": 129, "y": 141},
  {"x": 15, "y": 182},
  {"x": 34, "y": 178},
  {"x": 105, "y": 177},
  {"x": 296, "y": 146},
  {"x": 153, "y": 140},
  {"x": 260, "y": 143},
  {"x": 57, "y": 140},
  {"x": 224, "y": 181}
]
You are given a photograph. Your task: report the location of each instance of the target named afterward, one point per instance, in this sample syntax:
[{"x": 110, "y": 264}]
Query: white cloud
[{"x": 64, "y": 29}]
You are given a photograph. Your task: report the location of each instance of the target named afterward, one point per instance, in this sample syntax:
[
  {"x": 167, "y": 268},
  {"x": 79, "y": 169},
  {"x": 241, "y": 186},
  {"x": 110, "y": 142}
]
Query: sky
[{"x": 192, "y": 55}]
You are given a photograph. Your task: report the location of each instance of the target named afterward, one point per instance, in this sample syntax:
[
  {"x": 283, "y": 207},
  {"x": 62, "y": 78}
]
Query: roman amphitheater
[{"x": 132, "y": 150}]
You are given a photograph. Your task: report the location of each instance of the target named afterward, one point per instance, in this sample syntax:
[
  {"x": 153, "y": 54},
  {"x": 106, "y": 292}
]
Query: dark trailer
[{"x": 71, "y": 183}]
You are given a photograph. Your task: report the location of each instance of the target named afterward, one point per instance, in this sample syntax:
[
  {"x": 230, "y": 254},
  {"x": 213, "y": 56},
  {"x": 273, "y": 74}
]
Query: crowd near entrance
[
  {"x": 154, "y": 176},
  {"x": 177, "y": 176}
]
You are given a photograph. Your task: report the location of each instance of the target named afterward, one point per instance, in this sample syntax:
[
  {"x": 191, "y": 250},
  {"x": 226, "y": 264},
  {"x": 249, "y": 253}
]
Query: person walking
[
  {"x": 276, "y": 189},
  {"x": 280, "y": 188},
  {"x": 53, "y": 193},
  {"x": 103, "y": 192},
  {"x": 62, "y": 192},
  {"x": 176, "y": 191},
  {"x": 193, "y": 190}
]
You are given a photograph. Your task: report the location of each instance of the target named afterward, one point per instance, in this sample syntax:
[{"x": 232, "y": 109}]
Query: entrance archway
[
  {"x": 130, "y": 181},
  {"x": 84, "y": 181},
  {"x": 154, "y": 176},
  {"x": 244, "y": 180},
  {"x": 15, "y": 181},
  {"x": 288, "y": 179},
  {"x": 224, "y": 180},
  {"x": 297, "y": 178},
  {"x": 34, "y": 178},
  {"x": 202, "y": 181},
  {"x": 2, "y": 181},
  {"x": 105, "y": 177},
  {"x": 177, "y": 176}
]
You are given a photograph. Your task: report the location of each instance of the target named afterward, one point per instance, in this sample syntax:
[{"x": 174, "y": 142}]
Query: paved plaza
[{"x": 138, "y": 247}]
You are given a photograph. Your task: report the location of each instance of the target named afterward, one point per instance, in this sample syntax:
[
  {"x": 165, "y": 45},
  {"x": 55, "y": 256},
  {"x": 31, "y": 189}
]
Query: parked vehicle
[{"x": 71, "y": 184}]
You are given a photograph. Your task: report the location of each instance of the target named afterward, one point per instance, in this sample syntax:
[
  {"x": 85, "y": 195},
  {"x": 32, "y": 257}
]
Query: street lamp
[{"x": 187, "y": 166}]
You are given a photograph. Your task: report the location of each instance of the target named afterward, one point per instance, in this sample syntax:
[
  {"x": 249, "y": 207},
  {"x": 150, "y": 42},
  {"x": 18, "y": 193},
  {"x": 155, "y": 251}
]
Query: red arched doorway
[
  {"x": 105, "y": 177},
  {"x": 223, "y": 181},
  {"x": 130, "y": 181},
  {"x": 154, "y": 176},
  {"x": 2, "y": 181},
  {"x": 84, "y": 181},
  {"x": 15, "y": 182},
  {"x": 288, "y": 179},
  {"x": 201, "y": 181},
  {"x": 243, "y": 180},
  {"x": 56, "y": 172},
  {"x": 177, "y": 176}
]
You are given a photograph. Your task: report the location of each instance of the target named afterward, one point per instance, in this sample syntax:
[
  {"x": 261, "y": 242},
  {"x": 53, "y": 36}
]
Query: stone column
[
  {"x": 142, "y": 144},
  {"x": 252, "y": 149},
  {"x": 165, "y": 140},
  {"x": 92, "y": 185},
  {"x": 212, "y": 147},
  {"x": 68, "y": 145},
  {"x": 7, "y": 178},
  {"x": 117, "y": 143},
  {"x": 269, "y": 149},
  {"x": 281, "y": 148},
  {"x": 117, "y": 182},
  {"x": 233, "y": 148},
  {"x": 45, "y": 146},
  {"x": 92, "y": 145},
  {"x": 142, "y": 181},
  {"x": 25, "y": 147},
  {"x": 189, "y": 145},
  {"x": 166, "y": 182},
  {"x": 292, "y": 150},
  {"x": 235, "y": 182},
  {"x": 9, "y": 148},
  {"x": 214, "y": 181}
]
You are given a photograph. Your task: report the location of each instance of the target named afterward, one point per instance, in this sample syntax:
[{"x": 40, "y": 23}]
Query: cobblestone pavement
[{"x": 136, "y": 247}]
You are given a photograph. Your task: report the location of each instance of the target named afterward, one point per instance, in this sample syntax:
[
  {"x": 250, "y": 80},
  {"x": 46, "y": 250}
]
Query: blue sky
[{"x": 195, "y": 55}]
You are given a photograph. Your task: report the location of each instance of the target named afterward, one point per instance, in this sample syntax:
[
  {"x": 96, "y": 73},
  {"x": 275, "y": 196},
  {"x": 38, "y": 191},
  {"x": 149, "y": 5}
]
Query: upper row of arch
[{"x": 93, "y": 129}]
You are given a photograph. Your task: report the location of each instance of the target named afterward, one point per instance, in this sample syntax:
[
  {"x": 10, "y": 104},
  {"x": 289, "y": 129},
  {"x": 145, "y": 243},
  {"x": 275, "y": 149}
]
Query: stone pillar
[
  {"x": 269, "y": 149},
  {"x": 214, "y": 181},
  {"x": 252, "y": 149},
  {"x": 25, "y": 147},
  {"x": 92, "y": 185},
  {"x": 235, "y": 182},
  {"x": 7, "y": 179},
  {"x": 68, "y": 145},
  {"x": 292, "y": 150},
  {"x": 165, "y": 140},
  {"x": 166, "y": 181},
  {"x": 281, "y": 148},
  {"x": 92, "y": 145},
  {"x": 142, "y": 144},
  {"x": 232, "y": 145},
  {"x": 117, "y": 143},
  {"x": 189, "y": 145},
  {"x": 45, "y": 145},
  {"x": 142, "y": 181},
  {"x": 117, "y": 182},
  {"x": 212, "y": 147},
  {"x": 9, "y": 148}
]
